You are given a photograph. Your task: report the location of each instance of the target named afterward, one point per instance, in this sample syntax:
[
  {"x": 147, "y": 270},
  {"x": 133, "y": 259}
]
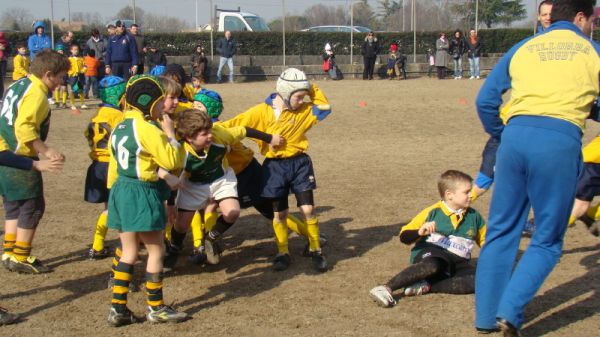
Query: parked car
[{"x": 343, "y": 29}]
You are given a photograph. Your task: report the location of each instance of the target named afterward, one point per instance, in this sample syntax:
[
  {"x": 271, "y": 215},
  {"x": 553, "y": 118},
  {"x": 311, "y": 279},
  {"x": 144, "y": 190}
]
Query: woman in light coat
[{"x": 441, "y": 55}]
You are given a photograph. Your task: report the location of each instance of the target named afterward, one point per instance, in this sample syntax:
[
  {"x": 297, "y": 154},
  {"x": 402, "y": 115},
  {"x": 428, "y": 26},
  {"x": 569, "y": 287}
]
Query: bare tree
[
  {"x": 126, "y": 13},
  {"x": 91, "y": 19},
  {"x": 16, "y": 18},
  {"x": 163, "y": 23},
  {"x": 318, "y": 15},
  {"x": 292, "y": 23}
]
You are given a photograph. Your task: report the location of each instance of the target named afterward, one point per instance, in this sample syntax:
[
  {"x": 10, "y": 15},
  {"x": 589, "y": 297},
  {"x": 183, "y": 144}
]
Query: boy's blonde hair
[
  {"x": 192, "y": 121},
  {"x": 49, "y": 61},
  {"x": 449, "y": 179},
  {"x": 171, "y": 87}
]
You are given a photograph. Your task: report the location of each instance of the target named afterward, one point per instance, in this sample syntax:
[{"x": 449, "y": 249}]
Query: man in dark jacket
[
  {"x": 121, "y": 53},
  {"x": 226, "y": 47},
  {"x": 369, "y": 51},
  {"x": 140, "y": 41},
  {"x": 154, "y": 58}
]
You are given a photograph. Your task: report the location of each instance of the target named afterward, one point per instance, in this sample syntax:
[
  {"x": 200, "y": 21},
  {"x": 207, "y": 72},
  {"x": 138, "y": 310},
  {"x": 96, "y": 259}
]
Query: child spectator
[
  {"x": 275, "y": 115},
  {"x": 444, "y": 235},
  {"x": 135, "y": 208},
  {"x": 396, "y": 63},
  {"x": 199, "y": 64},
  {"x": 20, "y": 63},
  {"x": 154, "y": 58},
  {"x": 196, "y": 84},
  {"x": 91, "y": 74},
  {"x": 60, "y": 94},
  {"x": 430, "y": 61},
  {"x": 329, "y": 62},
  {"x": 98, "y": 133},
  {"x": 76, "y": 77},
  {"x": 24, "y": 129}
]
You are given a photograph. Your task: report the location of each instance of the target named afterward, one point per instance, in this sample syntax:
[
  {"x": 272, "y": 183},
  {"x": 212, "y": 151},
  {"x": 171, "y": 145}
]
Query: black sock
[{"x": 220, "y": 227}]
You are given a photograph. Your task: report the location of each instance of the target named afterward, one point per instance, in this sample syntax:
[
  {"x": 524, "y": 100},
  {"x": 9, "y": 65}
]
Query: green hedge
[{"x": 305, "y": 43}]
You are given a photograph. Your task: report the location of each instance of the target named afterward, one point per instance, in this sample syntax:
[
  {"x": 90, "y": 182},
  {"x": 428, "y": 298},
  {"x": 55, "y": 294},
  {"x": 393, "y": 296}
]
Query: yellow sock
[
  {"x": 100, "y": 233},
  {"x": 168, "y": 231},
  {"x": 81, "y": 98},
  {"x": 572, "y": 221},
  {"x": 72, "y": 98},
  {"x": 9, "y": 243},
  {"x": 281, "y": 236},
  {"x": 22, "y": 250},
  {"x": 197, "y": 230},
  {"x": 297, "y": 225},
  {"x": 210, "y": 220},
  {"x": 57, "y": 95},
  {"x": 312, "y": 225},
  {"x": 64, "y": 97},
  {"x": 594, "y": 212}
]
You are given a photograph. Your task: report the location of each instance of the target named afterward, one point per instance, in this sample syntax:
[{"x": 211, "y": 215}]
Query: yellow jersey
[
  {"x": 20, "y": 67},
  {"x": 99, "y": 130}
]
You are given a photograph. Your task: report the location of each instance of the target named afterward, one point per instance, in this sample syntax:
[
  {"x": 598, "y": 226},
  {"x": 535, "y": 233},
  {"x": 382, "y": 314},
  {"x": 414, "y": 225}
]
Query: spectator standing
[
  {"x": 20, "y": 63},
  {"x": 142, "y": 48},
  {"x": 369, "y": 51},
  {"x": 38, "y": 40},
  {"x": 457, "y": 50},
  {"x": 329, "y": 57},
  {"x": 226, "y": 47},
  {"x": 441, "y": 55},
  {"x": 98, "y": 44},
  {"x": 199, "y": 64},
  {"x": 430, "y": 61},
  {"x": 4, "y": 52},
  {"x": 91, "y": 74},
  {"x": 122, "y": 56},
  {"x": 66, "y": 40},
  {"x": 154, "y": 57},
  {"x": 473, "y": 52}
]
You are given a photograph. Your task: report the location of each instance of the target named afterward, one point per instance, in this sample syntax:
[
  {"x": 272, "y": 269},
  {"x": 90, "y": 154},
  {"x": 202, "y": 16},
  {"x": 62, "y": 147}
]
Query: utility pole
[
  {"x": 283, "y": 22},
  {"x": 196, "y": 12},
  {"x": 133, "y": 2},
  {"x": 52, "y": 22}
]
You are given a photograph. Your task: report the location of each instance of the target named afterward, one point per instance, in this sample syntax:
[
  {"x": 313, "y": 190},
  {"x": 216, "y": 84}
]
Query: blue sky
[{"x": 184, "y": 9}]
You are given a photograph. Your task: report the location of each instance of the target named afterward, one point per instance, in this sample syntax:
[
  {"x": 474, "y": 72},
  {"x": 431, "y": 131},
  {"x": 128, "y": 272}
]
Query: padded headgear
[
  {"x": 111, "y": 89},
  {"x": 212, "y": 102},
  {"x": 142, "y": 93},
  {"x": 290, "y": 81},
  {"x": 158, "y": 70}
]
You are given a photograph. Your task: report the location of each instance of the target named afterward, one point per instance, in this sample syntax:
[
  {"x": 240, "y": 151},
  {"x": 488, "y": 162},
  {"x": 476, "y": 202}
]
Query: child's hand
[
  {"x": 277, "y": 141},
  {"x": 427, "y": 228},
  {"x": 167, "y": 125},
  {"x": 54, "y": 155},
  {"x": 173, "y": 181},
  {"x": 48, "y": 165}
]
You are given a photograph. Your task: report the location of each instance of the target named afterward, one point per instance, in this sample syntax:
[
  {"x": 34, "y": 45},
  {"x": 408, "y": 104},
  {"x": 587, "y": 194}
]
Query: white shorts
[{"x": 194, "y": 196}]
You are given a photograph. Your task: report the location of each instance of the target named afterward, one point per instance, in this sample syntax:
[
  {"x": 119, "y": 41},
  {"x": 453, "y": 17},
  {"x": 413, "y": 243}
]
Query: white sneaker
[
  {"x": 419, "y": 288},
  {"x": 460, "y": 77},
  {"x": 51, "y": 101},
  {"x": 472, "y": 77},
  {"x": 382, "y": 295},
  {"x": 477, "y": 77},
  {"x": 84, "y": 106}
]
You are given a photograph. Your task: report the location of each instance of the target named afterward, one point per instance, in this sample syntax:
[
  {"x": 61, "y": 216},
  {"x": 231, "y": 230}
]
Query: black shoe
[
  {"x": 30, "y": 266},
  {"x": 116, "y": 318},
  {"x": 323, "y": 240},
  {"x": 198, "y": 256},
  {"x": 282, "y": 262},
  {"x": 318, "y": 261},
  {"x": 172, "y": 252},
  {"x": 508, "y": 330},
  {"x": 213, "y": 250},
  {"x": 485, "y": 331},
  {"x": 98, "y": 254}
]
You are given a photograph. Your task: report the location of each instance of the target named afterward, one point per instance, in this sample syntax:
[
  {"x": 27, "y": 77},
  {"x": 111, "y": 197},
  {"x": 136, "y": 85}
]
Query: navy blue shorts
[
  {"x": 588, "y": 185},
  {"x": 249, "y": 184},
  {"x": 485, "y": 178},
  {"x": 280, "y": 176},
  {"x": 95, "y": 183}
]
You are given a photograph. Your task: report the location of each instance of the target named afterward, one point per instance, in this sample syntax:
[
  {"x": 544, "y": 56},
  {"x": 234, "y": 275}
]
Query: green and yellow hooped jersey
[
  {"x": 25, "y": 115},
  {"x": 138, "y": 148}
]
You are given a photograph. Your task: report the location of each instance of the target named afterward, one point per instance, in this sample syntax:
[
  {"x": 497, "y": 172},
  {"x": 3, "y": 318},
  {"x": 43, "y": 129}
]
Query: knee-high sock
[
  {"x": 297, "y": 225},
  {"x": 168, "y": 230},
  {"x": 281, "y": 236},
  {"x": 210, "y": 220},
  {"x": 100, "y": 233},
  {"x": 197, "y": 229},
  {"x": 9, "y": 243},
  {"x": 123, "y": 276},
  {"x": 22, "y": 250},
  {"x": 116, "y": 258},
  {"x": 594, "y": 212},
  {"x": 312, "y": 226},
  {"x": 64, "y": 97},
  {"x": 154, "y": 285}
]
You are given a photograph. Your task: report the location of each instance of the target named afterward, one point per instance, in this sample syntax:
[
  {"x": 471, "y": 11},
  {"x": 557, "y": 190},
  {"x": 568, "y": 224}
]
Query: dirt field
[{"x": 377, "y": 158}]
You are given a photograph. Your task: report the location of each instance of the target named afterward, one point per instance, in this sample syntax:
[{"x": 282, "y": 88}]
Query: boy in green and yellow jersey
[
  {"x": 289, "y": 168},
  {"x": 24, "y": 125},
  {"x": 444, "y": 235},
  {"x": 98, "y": 133}
]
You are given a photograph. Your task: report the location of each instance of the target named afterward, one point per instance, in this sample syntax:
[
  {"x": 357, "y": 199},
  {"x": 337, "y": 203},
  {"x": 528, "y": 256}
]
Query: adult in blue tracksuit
[
  {"x": 38, "y": 40},
  {"x": 121, "y": 53},
  {"x": 553, "y": 77}
]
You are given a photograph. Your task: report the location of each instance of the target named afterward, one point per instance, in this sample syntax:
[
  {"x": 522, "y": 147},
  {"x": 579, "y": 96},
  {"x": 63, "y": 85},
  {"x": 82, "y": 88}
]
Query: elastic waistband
[
  {"x": 129, "y": 180},
  {"x": 550, "y": 123},
  {"x": 299, "y": 155}
]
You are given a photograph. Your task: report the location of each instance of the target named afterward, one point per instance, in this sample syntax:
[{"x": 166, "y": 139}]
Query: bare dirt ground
[{"x": 377, "y": 158}]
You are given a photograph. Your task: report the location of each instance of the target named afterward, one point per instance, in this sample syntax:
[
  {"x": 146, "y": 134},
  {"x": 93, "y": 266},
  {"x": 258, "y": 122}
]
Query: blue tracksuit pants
[{"x": 538, "y": 162}]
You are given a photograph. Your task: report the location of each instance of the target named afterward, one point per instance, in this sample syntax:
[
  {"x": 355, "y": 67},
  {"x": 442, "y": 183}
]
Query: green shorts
[
  {"x": 18, "y": 184},
  {"x": 135, "y": 206}
]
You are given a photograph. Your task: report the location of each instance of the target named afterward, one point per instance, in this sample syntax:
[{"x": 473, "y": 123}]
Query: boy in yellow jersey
[
  {"x": 98, "y": 133},
  {"x": 289, "y": 168},
  {"x": 247, "y": 172},
  {"x": 24, "y": 125},
  {"x": 137, "y": 149},
  {"x": 444, "y": 235},
  {"x": 76, "y": 77},
  {"x": 207, "y": 176},
  {"x": 20, "y": 63},
  {"x": 176, "y": 72},
  {"x": 60, "y": 93}
]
